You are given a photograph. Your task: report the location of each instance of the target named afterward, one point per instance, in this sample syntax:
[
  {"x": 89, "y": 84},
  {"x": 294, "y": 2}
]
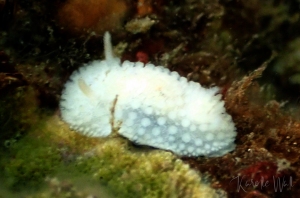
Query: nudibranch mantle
[{"x": 150, "y": 105}]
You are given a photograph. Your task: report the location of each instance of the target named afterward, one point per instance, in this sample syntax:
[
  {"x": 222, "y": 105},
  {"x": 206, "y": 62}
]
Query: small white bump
[
  {"x": 181, "y": 147},
  {"x": 156, "y": 131},
  {"x": 198, "y": 142},
  {"x": 139, "y": 64},
  {"x": 148, "y": 137},
  {"x": 145, "y": 122},
  {"x": 175, "y": 75},
  {"x": 129, "y": 122},
  {"x": 148, "y": 110},
  {"x": 216, "y": 144},
  {"x": 171, "y": 138},
  {"x": 214, "y": 149},
  {"x": 193, "y": 127},
  {"x": 135, "y": 105},
  {"x": 159, "y": 140},
  {"x": 134, "y": 138},
  {"x": 190, "y": 149},
  {"x": 220, "y": 136},
  {"x": 161, "y": 121},
  {"x": 203, "y": 127},
  {"x": 172, "y": 146},
  {"x": 209, "y": 136},
  {"x": 118, "y": 113},
  {"x": 141, "y": 131},
  {"x": 222, "y": 144},
  {"x": 207, "y": 147},
  {"x": 178, "y": 102},
  {"x": 185, "y": 122},
  {"x": 159, "y": 68},
  {"x": 183, "y": 80},
  {"x": 172, "y": 115},
  {"x": 186, "y": 138},
  {"x": 198, "y": 151},
  {"x": 132, "y": 115},
  {"x": 95, "y": 126},
  {"x": 172, "y": 130},
  {"x": 149, "y": 66}
]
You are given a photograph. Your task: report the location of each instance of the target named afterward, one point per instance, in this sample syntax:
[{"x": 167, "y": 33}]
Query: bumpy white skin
[{"x": 154, "y": 107}]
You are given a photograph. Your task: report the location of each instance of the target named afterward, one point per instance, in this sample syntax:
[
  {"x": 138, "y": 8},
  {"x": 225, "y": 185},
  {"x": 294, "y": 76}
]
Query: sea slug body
[{"x": 151, "y": 106}]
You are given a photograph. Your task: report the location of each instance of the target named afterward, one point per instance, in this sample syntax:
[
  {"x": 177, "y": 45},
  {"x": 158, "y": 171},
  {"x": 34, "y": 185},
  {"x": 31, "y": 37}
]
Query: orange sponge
[{"x": 94, "y": 15}]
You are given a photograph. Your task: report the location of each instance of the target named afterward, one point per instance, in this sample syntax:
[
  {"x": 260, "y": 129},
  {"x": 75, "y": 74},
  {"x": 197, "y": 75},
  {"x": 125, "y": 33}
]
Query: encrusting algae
[{"x": 118, "y": 167}]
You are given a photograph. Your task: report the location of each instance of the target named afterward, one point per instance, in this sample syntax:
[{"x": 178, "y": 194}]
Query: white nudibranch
[{"x": 149, "y": 105}]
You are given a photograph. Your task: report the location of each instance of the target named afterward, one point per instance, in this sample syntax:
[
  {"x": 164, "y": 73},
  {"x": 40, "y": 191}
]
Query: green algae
[
  {"x": 128, "y": 172},
  {"x": 150, "y": 174},
  {"x": 29, "y": 163},
  {"x": 17, "y": 113},
  {"x": 51, "y": 149}
]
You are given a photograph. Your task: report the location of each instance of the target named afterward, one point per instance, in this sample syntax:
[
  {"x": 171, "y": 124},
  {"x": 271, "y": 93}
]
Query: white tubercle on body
[{"x": 152, "y": 106}]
